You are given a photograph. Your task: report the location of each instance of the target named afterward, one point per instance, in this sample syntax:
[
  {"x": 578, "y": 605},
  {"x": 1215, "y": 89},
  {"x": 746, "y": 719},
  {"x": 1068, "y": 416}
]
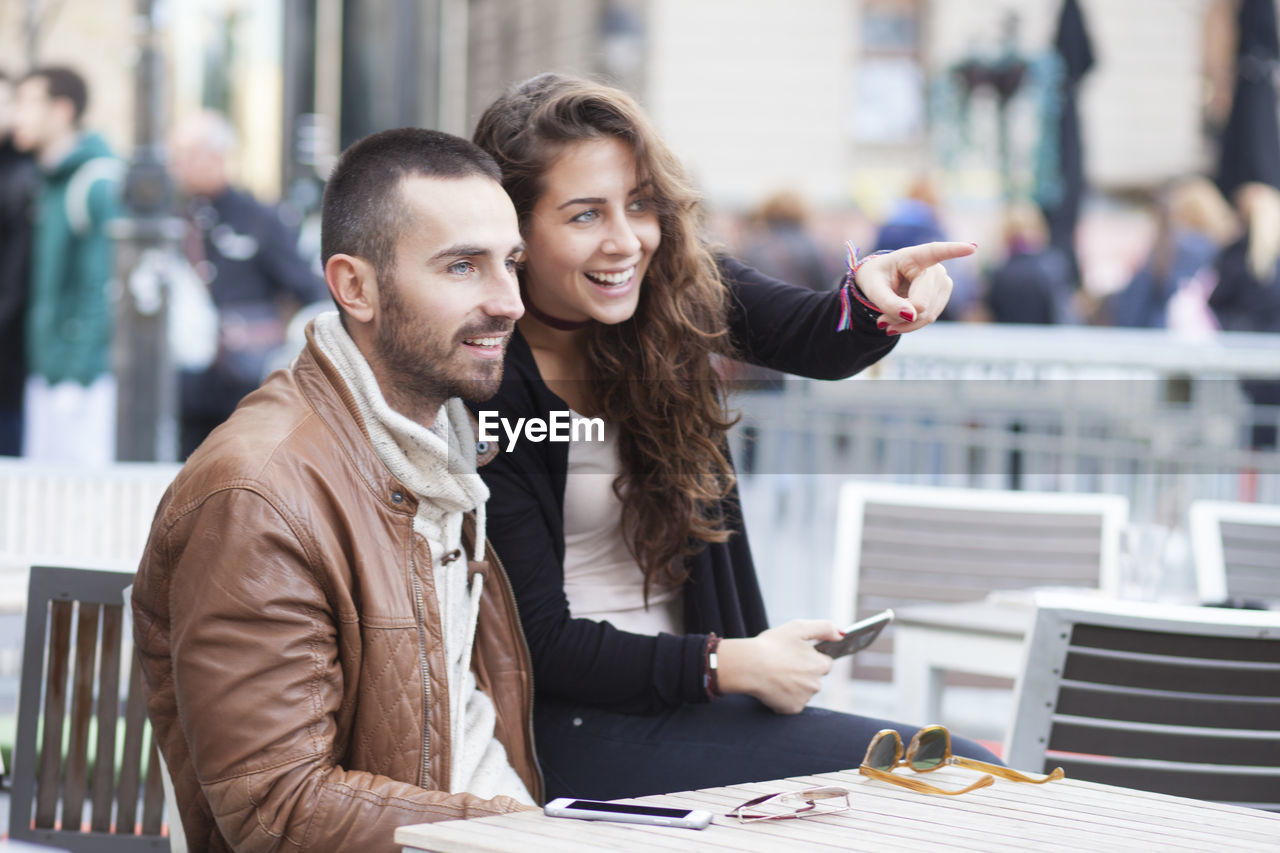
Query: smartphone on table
[
  {"x": 627, "y": 813},
  {"x": 857, "y": 636}
]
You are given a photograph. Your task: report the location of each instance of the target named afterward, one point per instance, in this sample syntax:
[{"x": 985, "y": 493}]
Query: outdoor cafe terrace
[{"x": 1014, "y": 460}]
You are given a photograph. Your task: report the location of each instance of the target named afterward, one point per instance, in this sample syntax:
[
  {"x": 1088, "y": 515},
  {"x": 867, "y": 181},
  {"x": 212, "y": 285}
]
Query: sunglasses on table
[
  {"x": 930, "y": 749},
  {"x": 794, "y": 804}
]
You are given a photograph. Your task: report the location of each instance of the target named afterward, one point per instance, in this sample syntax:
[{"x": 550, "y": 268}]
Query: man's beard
[{"x": 416, "y": 358}]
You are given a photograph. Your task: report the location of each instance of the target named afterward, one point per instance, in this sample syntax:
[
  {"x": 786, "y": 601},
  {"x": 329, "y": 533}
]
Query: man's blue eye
[{"x": 461, "y": 267}]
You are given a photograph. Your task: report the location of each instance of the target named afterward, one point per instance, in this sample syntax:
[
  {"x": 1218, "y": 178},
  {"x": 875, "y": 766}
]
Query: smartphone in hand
[
  {"x": 627, "y": 813},
  {"x": 857, "y": 636}
]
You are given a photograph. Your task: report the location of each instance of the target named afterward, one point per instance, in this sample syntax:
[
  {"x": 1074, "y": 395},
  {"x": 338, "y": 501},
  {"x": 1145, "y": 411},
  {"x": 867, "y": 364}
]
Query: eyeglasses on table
[{"x": 788, "y": 805}]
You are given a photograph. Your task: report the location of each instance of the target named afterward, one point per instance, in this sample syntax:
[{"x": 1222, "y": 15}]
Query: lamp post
[
  {"x": 1004, "y": 76},
  {"x": 147, "y": 241}
]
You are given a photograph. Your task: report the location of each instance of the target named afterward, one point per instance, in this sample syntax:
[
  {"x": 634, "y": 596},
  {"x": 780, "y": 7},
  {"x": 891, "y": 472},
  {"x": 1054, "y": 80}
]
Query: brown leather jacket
[{"x": 287, "y": 626}]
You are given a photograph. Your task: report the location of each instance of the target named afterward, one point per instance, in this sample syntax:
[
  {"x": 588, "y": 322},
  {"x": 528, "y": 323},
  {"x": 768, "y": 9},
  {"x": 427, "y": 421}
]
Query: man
[
  {"x": 325, "y": 654},
  {"x": 18, "y": 182},
  {"x": 248, "y": 257},
  {"x": 70, "y": 394}
]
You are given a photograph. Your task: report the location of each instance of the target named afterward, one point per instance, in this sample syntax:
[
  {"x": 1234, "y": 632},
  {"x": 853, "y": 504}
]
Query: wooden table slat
[
  {"x": 560, "y": 835},
  {"x": 1006, "y": 813},
  {"x": 1097, "y": 813},
  {"x": 967, "y": 820},
  {"x": 1173, "y": 818}
]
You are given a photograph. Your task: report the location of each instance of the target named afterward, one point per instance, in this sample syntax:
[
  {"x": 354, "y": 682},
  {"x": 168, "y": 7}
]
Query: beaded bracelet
[
  {"x": 710, "y": 668},
  {"x": 850, "y": 292}
]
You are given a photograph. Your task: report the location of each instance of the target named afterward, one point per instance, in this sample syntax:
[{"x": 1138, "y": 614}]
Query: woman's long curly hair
[{"x": 652, "y": 375}]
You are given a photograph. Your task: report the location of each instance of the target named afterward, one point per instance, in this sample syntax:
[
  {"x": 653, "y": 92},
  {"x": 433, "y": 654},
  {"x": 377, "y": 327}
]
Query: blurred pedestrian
[
  {"x": 779, "y": 242},
  {"x": 914, "y": 219},
  {"x": 70, "y": 404},
  {"x": 1033, "y": 284},
  {"x": 1247, "y": 295},
  {"x": 249, "y": 259},
  {"x": 18, "y": 184},
  {"x": 1193, "y": 223}
]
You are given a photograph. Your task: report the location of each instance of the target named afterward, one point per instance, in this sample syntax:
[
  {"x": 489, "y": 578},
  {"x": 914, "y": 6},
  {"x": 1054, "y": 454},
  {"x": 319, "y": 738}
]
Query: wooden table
[
  {"x": 980, "y": 637},
  {"x": 1008, "y": 816}
]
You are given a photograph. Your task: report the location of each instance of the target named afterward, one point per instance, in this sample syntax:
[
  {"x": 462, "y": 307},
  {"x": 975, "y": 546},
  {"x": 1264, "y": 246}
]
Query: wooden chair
[
  {"x": 76, "y": 784},
  {"x": 1173, "y": 699},
  {"x": 898, "y": 546},
  {"x": 1237, "y": 550}
]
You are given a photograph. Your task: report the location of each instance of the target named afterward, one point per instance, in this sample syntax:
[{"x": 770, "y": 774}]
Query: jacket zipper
[
  {"x": 528, "y": 659},
  {"x": 424, "y": 770}
]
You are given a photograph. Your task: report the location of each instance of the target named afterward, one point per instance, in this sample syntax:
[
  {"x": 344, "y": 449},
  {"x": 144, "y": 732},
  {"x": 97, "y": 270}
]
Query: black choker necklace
[{"x": 547, "y": 320}]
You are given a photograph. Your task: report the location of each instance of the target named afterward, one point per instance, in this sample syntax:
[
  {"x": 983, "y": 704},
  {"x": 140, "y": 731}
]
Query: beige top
[{"x": 601, "y": 579}]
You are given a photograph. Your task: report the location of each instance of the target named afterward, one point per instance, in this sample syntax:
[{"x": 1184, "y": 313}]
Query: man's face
[
  {"x": 194, "y": 167},
  {"x": 447, "y": 310},
  {"x": 38, "y": 118},
  {"x": 196, "y": 162}
]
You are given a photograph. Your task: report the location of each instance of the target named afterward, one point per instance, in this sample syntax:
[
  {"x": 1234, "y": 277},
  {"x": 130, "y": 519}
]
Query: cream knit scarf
[
  {"x": 431, "y": 462},
  {"x": 438, "y": 465}
]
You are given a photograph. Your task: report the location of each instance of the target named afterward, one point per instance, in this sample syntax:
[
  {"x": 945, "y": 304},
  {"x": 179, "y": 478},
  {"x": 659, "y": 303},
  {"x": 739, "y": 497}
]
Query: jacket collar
[{"x": 334, "y": 404}]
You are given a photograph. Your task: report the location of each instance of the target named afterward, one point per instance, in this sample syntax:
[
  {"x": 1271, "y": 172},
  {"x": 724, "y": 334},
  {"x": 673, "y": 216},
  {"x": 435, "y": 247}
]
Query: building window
[{"x": 888, "y": 78}]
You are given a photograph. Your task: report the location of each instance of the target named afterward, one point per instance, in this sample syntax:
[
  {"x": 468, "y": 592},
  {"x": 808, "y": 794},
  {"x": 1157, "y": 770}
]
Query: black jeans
[{"x": 591, "y": 753}]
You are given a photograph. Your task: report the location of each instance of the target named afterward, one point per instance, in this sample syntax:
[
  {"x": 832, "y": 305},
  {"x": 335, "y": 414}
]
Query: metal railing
[{"x": 1140, "y": 413}]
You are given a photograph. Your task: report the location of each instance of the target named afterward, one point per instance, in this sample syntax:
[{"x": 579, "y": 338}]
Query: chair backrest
[
  {"x": 85, "y": 770},
  {"x": 73, "y": 515},
  {"x": 902, "y": 545},
  {"x": 1173, "y": 699},
  {"x": 64, "y": 515},
  {"x": 1237, "y": 550}
]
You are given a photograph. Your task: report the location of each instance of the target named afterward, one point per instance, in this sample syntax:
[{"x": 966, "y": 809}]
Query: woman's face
[{"x": 591, "y": 235}]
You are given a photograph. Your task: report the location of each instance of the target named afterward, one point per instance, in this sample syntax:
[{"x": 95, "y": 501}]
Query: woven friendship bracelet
[{"x": 850, "y": 292}]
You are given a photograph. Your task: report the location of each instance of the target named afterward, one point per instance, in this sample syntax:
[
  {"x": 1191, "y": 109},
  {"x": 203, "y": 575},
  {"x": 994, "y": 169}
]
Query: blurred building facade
[
  {"x": 841, "y": 97},
  {"x": 846, "y": 91},
  {"x": 842, "y": 100}
]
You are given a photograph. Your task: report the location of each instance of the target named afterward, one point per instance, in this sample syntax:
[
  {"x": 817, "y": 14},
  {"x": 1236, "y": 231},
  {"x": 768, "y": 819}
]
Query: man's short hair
[
  {"x": 363, "y": 211},
  {"x": 62, "y": 82}
]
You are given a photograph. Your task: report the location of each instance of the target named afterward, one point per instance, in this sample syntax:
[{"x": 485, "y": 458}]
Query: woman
[
  {"x": 628, "y": 557},
  {"x": 1033, "y": 284},
  {"x": 1193, "y": 224}
]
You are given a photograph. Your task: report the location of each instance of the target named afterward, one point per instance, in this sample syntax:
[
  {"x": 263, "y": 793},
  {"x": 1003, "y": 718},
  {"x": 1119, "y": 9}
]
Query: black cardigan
[{"x": 777, "y": 325}]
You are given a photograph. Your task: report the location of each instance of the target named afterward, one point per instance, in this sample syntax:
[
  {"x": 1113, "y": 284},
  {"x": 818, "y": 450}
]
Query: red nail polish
[
  {"x": 907, "y": 315},
  {"x": 882, "y": 325},
  {"x": 892, "y": 332}
]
